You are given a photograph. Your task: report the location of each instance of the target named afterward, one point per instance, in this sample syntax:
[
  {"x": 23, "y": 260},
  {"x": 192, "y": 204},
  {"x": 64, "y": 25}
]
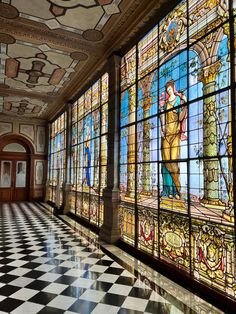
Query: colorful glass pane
[
  {"x": 147, "y": 53},
  {"x": 176, "y": 165},
  {"x": 57, "y": 158},
  {"x": 128, "y": 69},
  {"x": 205, "y": 16},
  {"x": 90, "y": 131}
]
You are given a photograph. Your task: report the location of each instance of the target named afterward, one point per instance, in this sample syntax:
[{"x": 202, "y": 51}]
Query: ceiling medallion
[
  {"x": 92, "y": 35},
  {"x": 8, "y": 11},
  {"x": 77, "y": 55},
  {"x": 6, "y": 39}
]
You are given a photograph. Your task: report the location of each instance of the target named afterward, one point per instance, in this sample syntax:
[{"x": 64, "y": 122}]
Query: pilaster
[{"x": 110, "y": 230}]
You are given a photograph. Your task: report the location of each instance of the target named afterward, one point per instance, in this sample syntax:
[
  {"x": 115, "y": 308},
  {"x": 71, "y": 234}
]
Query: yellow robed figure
[{"x": 173, "y": 123}]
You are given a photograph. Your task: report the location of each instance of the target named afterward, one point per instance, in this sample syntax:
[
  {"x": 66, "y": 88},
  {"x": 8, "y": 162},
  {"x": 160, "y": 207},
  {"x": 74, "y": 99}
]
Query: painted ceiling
[{"x": 50, "y": 49}]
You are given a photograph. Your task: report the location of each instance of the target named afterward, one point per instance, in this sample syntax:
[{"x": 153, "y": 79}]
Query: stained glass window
[
  {"x": 89, "y": 152},
  {"x": 176, "y": 170},
  {"x": 57, "y": 159}
]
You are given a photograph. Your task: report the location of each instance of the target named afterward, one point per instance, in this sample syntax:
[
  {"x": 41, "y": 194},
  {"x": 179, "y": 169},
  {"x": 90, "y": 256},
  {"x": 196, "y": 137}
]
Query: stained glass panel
[
  {"x": 213, "y": 255},
  {"x": 147, "y": 53},
  {"x": 89, "y": 145},
  {"x": 176, "y": 165},
  {"x": 205, "y": 16},
  {"x": 57, "y": 158},
  {"x": 128, "y": 69},
  {"x": 174, "y": 240}
]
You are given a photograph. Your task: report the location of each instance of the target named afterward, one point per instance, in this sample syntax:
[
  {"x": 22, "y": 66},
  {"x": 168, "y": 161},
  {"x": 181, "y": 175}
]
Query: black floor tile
[
  {"x": 114, "y": 270},
  {"x": 101, "y": 286},
  {"x": 9, "y": 304},
  {"x": 7, "y": 278},
  {"x": 31, "y": 265},
  {"x": 140, "y": 293},
  {"x": 74, "y": 292},
  {"x": 122, "y": 280},
  {"x": 128, "y": 311},
  {"x": 66, "y": 280},
  {"x": 53, "y": 261},
  {"x": 6, "y": 269},
  {"x": 42, "y": 297},
  {"x": 50, "y": 310},
  {"x": 7, "y": 290},
  {"x": 158, "y": 307},
  {"x": 82, "y": 306},
  {"x": 113, "y": 299},
  {"x": 27, "y": 258},
  {"x": 104, "y": 263},
  {"x": 91, "y": 275},
  {"x": 6, "y": 261},
  {"x": 34, "y": 274},
  {"x": 59, "y": 270},
  {"x": 37, "y": 285}
]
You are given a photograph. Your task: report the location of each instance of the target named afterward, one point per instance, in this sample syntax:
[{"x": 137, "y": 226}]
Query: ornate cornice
[{"x": 41, "y": 34}]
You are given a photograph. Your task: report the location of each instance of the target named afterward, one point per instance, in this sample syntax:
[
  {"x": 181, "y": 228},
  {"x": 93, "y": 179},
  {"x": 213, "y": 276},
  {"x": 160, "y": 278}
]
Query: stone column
[
  {"x": 47, "y": 184},
  {"x": 110, "y": 230},
  {"x": 67, "y": 183},
  {"x": 47, "y": 187},
  {"x": 210, "y": 145}
]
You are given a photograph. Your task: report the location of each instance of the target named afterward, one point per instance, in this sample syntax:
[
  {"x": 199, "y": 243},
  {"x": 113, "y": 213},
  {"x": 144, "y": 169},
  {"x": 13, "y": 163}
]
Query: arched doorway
[{"x": 15, "y": 168}]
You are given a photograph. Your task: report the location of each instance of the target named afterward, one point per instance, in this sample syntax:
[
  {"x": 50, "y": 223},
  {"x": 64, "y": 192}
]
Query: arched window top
[{"x": 14, "y": 147}]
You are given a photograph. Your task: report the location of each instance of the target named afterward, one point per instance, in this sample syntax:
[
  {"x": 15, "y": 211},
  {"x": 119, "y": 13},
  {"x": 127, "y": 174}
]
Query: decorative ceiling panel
[
  {"x": 85, "y": 17},
  {"x": 22, "y": 106},
  {"x": 35, "y": 68}
]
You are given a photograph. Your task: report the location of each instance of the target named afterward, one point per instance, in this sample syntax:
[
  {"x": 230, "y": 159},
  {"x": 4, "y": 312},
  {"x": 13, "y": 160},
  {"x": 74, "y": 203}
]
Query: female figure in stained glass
[
  {"x": 173, "y": 123},
  {"x": 87, "y": 156}
]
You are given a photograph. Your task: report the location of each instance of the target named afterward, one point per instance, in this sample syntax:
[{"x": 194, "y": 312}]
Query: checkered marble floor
[{"x": 47, "y": 267}]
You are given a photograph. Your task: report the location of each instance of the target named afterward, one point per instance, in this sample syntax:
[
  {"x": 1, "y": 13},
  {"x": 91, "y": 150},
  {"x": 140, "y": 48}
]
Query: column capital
[{"x": 208, "y": 74}]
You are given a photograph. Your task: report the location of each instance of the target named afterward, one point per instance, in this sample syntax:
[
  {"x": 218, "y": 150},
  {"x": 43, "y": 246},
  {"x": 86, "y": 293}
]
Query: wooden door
[
  {"x": 6, "y": 182},
  {"x": 14, "y": 179}
]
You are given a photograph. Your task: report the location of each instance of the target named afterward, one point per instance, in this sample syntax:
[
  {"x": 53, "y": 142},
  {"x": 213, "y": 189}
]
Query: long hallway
[{"x": 47, "y": 267}]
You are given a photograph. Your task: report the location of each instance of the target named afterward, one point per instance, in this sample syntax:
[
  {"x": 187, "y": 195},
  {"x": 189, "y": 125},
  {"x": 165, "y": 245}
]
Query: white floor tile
[
  {"x": 108, "y": 278},
  {"x": 21, "y": 282},
  {"x": 136, "y": 304},
  {"x": 92, "y": 295},
  {"x": 120, "y": 289},
  {"x": 83, "y": 283},
  {"x": 28, "y": 307},
  {"x": 62, "y": 302},
  {"x": 105, "y": 308},
  {"x": 49, "y": 277},
  {"x": 20, "y": 271},
  {"x": 98, "y": 268},
  {"x": 56, "y": 288},
  {"x": 24, "y": 294}
]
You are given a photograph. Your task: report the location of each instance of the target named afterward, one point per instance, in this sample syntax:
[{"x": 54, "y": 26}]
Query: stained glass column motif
[
  {"x": 208, "y": 77},
  {"x": 145, "y": 85},
  {"x": 131, "y": 147}
]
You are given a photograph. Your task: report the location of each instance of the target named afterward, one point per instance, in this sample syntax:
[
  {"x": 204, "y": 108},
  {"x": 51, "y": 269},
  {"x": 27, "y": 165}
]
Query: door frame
[{"x": 30, "y": 155}]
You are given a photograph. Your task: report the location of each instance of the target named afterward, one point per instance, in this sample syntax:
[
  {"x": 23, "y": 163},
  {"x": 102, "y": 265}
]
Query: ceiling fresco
[
  {"x": 35, "y": 68},
  {"x": 86, "y": 17},
  {"x": 50, "y": 49},
  {"x": 22, "y": 106}
]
